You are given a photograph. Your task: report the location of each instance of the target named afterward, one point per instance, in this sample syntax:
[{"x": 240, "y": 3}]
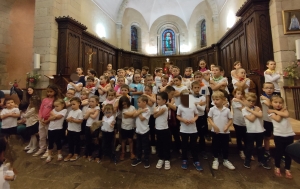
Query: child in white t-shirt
[
  {"x": 9, "y": 116},
  {"x": 240, "y": 80},
  {"x": 220, "y": 118},
  {"x": 158, "y": 74},
  {"x": 255, "y": 130},
  {"x": 74, "y": 119},
  {"x": 55, "y": 129},
  {"x": 142, "y": 132},
  {"x": 188, "y": 131},
  {"x": 283, "y": 134}
]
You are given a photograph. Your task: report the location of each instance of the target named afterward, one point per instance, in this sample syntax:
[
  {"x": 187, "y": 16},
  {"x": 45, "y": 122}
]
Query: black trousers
[
  {"x": 107, "y": 147},
  {"x": 89, "y": 146},
  {"x": 202, "y": 130},
  {"x": 152, "y": 130},
  {"x": 55, "y": 136},
  {"x": 220, "y": 144},
  {"x": 74, "y": 142},
  {"x": 164, "y": 140},
  {"x": 280, "y": 145},
  {"x": 240, "y": 132},
  {"x": 258, "y": 139},
  {"x": 143, "y": 143},
  {"x": 175, "y": 132},
  {"x": 185, "y": 138}
]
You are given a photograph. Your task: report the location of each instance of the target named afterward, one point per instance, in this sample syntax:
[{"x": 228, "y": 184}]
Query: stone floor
[{"x": 34, "y": 173}]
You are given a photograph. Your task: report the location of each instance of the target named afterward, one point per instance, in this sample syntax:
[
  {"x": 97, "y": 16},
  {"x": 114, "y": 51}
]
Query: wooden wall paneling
[
  {"x": 73, "y": 53},
  {"x": 251, "y": 45},
  {"x": 244, "y": 58},
  {"x": 237, "y": 47}
]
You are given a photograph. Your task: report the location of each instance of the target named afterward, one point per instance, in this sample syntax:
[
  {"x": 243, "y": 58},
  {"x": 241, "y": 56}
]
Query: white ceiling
[{"x": 153, "y": 9}]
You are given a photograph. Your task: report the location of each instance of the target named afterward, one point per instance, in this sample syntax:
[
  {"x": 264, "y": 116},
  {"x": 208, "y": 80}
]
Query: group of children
[{"x": 154, "y": 109}]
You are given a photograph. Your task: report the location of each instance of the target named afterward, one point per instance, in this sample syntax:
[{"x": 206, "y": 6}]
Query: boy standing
[
  {"x": 9, "y": 116},
  {"x": 90, "y": 86},
  {"x": 272, "y": 76},
  {"x": 142, "y": 132}
]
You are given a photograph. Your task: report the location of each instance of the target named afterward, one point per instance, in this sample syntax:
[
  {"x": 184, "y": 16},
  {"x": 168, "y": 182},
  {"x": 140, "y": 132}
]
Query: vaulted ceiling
[{"x": 153, "y": 9}]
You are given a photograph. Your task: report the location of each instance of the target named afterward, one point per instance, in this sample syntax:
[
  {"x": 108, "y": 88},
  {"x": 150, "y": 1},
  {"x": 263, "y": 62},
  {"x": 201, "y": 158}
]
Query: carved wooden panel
[
  {"x": 251, "y": 45},
  {"x": 237, "y": 49}
]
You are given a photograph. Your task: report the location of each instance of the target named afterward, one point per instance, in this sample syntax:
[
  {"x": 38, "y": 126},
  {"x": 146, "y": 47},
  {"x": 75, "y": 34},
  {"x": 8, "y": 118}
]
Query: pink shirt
[
  {"x": 46, "y": 108},
  {"x": 117, "y": 87}
]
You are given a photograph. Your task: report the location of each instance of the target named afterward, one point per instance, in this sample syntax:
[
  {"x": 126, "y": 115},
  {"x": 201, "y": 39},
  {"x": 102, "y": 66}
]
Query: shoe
[
  {"x": 242, "y": 155},
  {"x": 39, "y": 152},
  {"x": 59, "y": 157},
  {"x": 267, "y": 156},
  {"x": 122, "y": 156},
  {"x": 204, "y": 155},
  {"x": 159, "y": 164},
  {"x": 49, "y": 158},
  {"x": 118, "y": 148},
  {"x": 198, "y": 166},
  {"x": 153, "y": 150},
  {"x": 229, "y": 165},
  {"x": 283, "y": 159},
  {"x": 136, "y": 162},
  {"x": 146, "y": 164},
  {"x": 247, "y": 164},
  {"x": 127, "y": 148},
  {"x": 45, "y": 155},
  {"x": 184, "y": 164},
  {"x": 208, "y": 138},
  {"x": 215, "y": 165},
  {"x": 31, "y": 151},
  {"x": 68, "y": 157},
  {"x": 167, "y": 165},
  {"x": 132, "y": 156},
  {"x": 27, "y": 147},
  {"x": 265, "y": 165},
  {"x": 98, "y": 160},
  {"x": 277, "y": 172},
  {"x": 288, "y": 174},
  {"x": 252, "y": 158},
  {"x": 90, "y": 158},
  {"x": 75, "y": 157}
]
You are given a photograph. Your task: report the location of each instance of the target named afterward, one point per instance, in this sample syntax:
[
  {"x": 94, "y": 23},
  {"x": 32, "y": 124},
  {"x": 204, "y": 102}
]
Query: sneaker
[
  {"x": 118, "y": 147},
  {"x": 167, "y": 165},
  {"x": 265, "y": 165},
  {"x": 215, "y": 165},
  {"x": 31, "y": 151},
  {"x": 27, "y": 147},
  {"x": 288, "y": 174},
  {"x": 184, "y": 164},
  {"x": 283, "y": 159},
  {"x": 146, "y": 163},
  {"x": 198, "y": 166},
  {"x": 247, "y": 164},
  {"x": 127, "y": 148},
  {"x": 39, "y": 152},
  {"x": 267, "y": 156},
  {"x": 159, "y": 164},
  {"x": 228, "y": 164},
  {"x": 204, "y": 155},
  {"x": 45, "y": 155},
  {"x": 242, "y": 155},
  {"x": 153, "y": 150},
  {"x": 75, "y": 157},
  {"x": 136, "y": 162},
  {"x": 252, "y": 158},
  {"x": 59, "y": 157},
  {"x": 68, "y": 157},
  {"x": 49, "y": 158}
]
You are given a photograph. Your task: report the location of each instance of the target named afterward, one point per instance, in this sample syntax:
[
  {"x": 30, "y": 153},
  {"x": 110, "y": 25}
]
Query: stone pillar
[
  {"x": 216, "y": 25},
  {"x": 119, "y": 34}
]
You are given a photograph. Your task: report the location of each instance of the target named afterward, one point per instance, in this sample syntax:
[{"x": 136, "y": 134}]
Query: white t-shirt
[
  {"x": 157, "y": 80},
  {"x": 282, "y": 128},
  {"x": 102, "y": 97},
  {"x": 179, "y": 89},
  {"x": 238, "y": 118},
  {"x": 186, "y": 82},
  {"x": 142, "y": 127},
  {"x": 234, "y": 81},
  {"x": 255, "y": 126},
  {"x": 265, "y": 109},
  {"x": 224, "y": 79},
  {"x": 58, "y": 123},
  {"x": 161, "y": 122},
  {"x": 77, "y": 93},
  {"x": 106, "y": 122},
  {"x": 187, "y": 113},
  {"x": 76, "y": 114},
  {"x": 220, "y": 117},
  {"x": 128, "y": 123},
  {"x": 200, "y": 109},
  {"x": 274, "y": 78},
  {"x": 90, "y": 120},
  {"x": 10, "y": 122}
]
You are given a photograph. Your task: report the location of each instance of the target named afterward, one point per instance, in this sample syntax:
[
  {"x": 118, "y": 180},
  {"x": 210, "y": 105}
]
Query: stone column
[{"x": 119, "y": 34}]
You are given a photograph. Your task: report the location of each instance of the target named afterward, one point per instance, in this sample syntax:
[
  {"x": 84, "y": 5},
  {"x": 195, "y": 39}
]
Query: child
[
  {"x": 103, "y": 87},
  {"x": 5, "y": 173},
  {"x": 107, "y": 129},
  {"x": 109, "y": 67},
  {"x": 268, "y": 90},
  {"x": 9, "y": 116},
  {"x": 127, "y": 126},
  {"x": 142, "y": 132},
  {"x": 74, "y": 119},
  {"x": 220, "y": 118},
  {"x": 283, "y": 134},
  {"x": 164, "y": 83},
  {"x": 120, "y": 82},
  {"x": 158, "y": 74},
  {"x": 238, "y": 119},
  {"x": 187, "y": 79},
  {"x": 175, "y": 72},
  {"x": 151, "y": 105},
  {"x": 188, "y": 131},
  {"x": 136, "y": 89},
  {"x": 240, "y": 80},
  {"x": 205, "y": 72},
  {"x": 111, "y": 77},
  {"x": 272, "y": 76},
  {"x": 201, "y": 123},
  {"x": 145, "y": 70},
  {"x": 218, "y": 81},
  {"x": 128, "y": 74},
  {"x": 163, "y": 133},
  {"x": 92, "y": 73},
  {"x": 178, "y": 88},
  {"x": 69, "y": 95},
  {"x": 81, "y": 76},
  {"x": 77, "y": 86},
  {"x": 255, "y": 130},
  {"x": 90, "y": 86},
  {"x": 236, "y": 66},
  {"x": 91, "y": 115},
  {"x": 110, "y": 99},
  {"x": 56, "y": 128},
  {"x": 32, "y": 123}
]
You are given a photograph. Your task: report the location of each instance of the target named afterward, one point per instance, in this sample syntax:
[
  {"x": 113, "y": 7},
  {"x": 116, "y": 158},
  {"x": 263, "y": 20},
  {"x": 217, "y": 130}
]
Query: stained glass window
[
  {"x": 168, "y": 42},
  {"x": 134, "y": 39},
  {"x": 203, "y": 34}
]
